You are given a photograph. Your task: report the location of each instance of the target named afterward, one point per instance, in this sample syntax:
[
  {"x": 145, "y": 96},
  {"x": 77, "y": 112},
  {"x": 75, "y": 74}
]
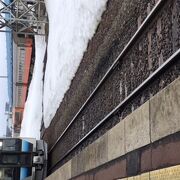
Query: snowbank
[
  {"x": 72, "y": 23},
  {"x": 33, "y": 108}
]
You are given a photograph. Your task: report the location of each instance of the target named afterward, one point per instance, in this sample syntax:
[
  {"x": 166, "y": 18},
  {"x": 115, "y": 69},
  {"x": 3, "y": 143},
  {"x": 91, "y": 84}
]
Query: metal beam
[{"x": 23, "y": 16}]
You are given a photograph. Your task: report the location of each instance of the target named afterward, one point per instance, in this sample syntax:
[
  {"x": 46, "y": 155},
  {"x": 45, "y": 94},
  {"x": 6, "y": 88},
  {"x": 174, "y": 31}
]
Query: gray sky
[{"x": 3, "y": 84}]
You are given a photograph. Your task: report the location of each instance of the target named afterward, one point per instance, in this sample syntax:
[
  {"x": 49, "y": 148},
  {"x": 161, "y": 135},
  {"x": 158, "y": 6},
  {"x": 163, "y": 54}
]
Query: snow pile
[
  {"x": 33, "y": 108},
  {"x": 72, "y": 23}
]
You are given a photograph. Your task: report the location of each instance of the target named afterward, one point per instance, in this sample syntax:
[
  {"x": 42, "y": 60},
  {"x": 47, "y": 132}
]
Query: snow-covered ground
[
  {"x": 72, "y": 23},
  {"x": 33, "y": 108}
]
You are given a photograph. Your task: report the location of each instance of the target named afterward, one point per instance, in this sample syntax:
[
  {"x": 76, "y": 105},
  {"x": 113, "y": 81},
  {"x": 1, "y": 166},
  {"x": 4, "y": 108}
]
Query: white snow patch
[
  {"x": 33, "y": 108},
  {"x": 72, "y": 23}
]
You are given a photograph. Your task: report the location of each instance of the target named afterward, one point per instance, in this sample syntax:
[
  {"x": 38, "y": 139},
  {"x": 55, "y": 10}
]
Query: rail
[
  {"x": 126, "y": 100},
  {"x": 138, "y": 33}
]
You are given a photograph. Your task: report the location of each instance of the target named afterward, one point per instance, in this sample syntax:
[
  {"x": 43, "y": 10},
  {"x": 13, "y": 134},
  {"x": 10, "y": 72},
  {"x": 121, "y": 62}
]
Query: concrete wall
[
  {"x": 172, "y": 173},
  {"x": 63, "y": 173},
  {"x": 154, "y": 120}
]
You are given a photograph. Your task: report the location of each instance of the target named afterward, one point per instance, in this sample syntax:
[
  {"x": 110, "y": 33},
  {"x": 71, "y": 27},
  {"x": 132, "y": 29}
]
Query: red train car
[{"x": 22, "y": 57}]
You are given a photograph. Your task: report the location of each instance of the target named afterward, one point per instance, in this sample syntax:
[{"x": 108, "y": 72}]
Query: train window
[
  {"x": 16, "y": 159},
  {"x": 6, "y": 174},
  {"x": 11, "y": 145},
  {"x": 1, "y": 144},
  {"x": 10, "y": 159}
]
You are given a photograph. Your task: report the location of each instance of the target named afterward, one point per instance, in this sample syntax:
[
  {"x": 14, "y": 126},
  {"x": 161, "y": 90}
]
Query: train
[
  {"x": 22, "y": 21},
  {"x": 23, "y": 159},
  {"x": 23, "y": 58}
]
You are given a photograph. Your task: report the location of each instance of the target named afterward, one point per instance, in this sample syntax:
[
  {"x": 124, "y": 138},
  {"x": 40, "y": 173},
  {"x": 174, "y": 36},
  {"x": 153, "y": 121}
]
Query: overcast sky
[{"x": 3, "y": 84}]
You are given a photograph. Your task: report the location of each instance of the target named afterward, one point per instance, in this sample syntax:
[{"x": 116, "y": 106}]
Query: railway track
[{"x": 80, "y": 132}]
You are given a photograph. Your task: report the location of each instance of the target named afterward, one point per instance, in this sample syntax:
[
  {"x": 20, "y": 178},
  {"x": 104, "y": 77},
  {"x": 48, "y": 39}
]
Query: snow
[
  {"x": 72, "y": 23},
  {"x": 33, "y": 108}
]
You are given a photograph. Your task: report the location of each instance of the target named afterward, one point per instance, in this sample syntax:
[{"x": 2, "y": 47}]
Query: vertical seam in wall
[
  {"x": 124, "y": 121},
  {"x": 150, "y": 134},
  {"x": 124, "y": 136},
  {"x": 150, "y": 121},
  {"x": 70, "y": 168},
  {"x": 107, "y": 145}
]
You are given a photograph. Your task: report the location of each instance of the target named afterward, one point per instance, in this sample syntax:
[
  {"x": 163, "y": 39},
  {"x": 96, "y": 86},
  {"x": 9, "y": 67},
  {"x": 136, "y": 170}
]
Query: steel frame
[{"x": 22, "y": 16}]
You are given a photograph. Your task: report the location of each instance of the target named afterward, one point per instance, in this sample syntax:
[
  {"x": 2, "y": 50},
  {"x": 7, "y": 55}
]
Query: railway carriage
[{"x": 22, "y": 159}]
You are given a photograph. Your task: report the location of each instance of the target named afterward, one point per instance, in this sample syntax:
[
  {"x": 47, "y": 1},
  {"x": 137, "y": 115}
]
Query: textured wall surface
[
  {"x": 130, "y": 148},
  {"x": 155, "y": 45}
]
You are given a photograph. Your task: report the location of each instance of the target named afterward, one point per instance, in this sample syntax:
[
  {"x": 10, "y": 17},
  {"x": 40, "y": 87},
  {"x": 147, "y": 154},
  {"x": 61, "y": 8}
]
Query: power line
[{"x": 3, "y": 77}]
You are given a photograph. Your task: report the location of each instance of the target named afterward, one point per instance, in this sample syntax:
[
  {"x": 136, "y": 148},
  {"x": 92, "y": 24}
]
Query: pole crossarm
[{"x": 23, "y": 16}]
